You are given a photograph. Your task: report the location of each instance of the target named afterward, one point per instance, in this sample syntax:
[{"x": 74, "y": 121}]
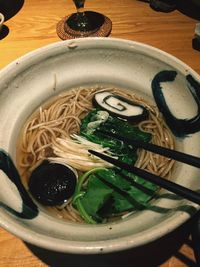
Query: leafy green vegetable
[
  {"x": 78, "y": 194},
  {"x": 115, "y": 125},
  {"x": 99, "y": 193},
  {"x": 125, "y": 153},
  {"x": 112, "y": 191}
]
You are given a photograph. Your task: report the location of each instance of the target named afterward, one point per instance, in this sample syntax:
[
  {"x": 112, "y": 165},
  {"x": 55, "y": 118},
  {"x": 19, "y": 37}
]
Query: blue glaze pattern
[
  {"x": 179, "y": 127},
  {"x": 29, "y": 209}
]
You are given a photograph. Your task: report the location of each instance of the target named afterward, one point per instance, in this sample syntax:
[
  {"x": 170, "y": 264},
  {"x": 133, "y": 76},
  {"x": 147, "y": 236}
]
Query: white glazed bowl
[
  {"x": 30, "y": 80},
  {"x": 1, "y": 21}
]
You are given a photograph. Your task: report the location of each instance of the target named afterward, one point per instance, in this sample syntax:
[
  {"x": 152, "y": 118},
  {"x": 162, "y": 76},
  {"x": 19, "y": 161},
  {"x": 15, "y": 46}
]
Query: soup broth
[{"x": 61, "y": 118}]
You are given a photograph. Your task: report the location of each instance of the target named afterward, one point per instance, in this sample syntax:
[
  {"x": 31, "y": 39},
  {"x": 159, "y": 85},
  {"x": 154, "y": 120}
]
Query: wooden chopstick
[
  {"x": 166, "y": 152},
  {"x": 166, "y": 184}
]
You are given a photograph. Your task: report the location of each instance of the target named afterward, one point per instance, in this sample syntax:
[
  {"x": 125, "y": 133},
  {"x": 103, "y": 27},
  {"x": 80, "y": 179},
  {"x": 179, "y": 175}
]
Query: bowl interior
[{"x": 33, "y": 79}]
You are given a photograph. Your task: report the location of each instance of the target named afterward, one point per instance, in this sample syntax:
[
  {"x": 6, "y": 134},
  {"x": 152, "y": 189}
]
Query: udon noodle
[{"x": 62, "y": 116}]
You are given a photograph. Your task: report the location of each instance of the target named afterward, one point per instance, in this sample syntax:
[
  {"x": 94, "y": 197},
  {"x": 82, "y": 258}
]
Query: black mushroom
[
  {"x": 52, "y": 184},
  {"x": 120, "y": 106}
]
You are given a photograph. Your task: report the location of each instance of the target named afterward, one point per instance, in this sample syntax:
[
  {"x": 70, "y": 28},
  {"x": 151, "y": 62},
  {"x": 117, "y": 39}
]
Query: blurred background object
[
  {"x": 190, "y": 8},
  {"x": 196, "y": 39},
  {"x": 83, "y": 23},
  {"x": 163, "y": 5},
  {"x": 1, "y": 21},
  {"x": 10, "y": 7}
]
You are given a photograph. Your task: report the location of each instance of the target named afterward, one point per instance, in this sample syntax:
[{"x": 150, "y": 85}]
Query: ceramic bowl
[
  {"x": 1, "y": 21},
  {"x": 29, "y": 81}
]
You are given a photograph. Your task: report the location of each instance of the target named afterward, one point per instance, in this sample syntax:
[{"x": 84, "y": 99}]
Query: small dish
[{"x": 1, "y": 21}]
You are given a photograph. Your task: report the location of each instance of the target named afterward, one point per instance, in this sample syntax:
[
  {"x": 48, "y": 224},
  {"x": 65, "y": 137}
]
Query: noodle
[{"x": 62, "y": 117}]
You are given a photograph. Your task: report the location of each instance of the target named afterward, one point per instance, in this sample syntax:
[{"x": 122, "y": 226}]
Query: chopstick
[
  {"x": 166, "y": 184},
  {"x": 166, "y": 152}
]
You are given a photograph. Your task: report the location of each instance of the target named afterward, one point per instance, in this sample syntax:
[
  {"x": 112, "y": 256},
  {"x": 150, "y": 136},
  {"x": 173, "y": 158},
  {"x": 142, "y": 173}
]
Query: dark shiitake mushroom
[
  {"x": 52, "y": 183},
  {"x": 120, "y": 106}
]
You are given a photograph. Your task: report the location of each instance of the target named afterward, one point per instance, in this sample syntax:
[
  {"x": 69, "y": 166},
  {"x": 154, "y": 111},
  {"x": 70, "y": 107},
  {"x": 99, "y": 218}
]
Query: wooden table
[{"x": 33, "y": 26}]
